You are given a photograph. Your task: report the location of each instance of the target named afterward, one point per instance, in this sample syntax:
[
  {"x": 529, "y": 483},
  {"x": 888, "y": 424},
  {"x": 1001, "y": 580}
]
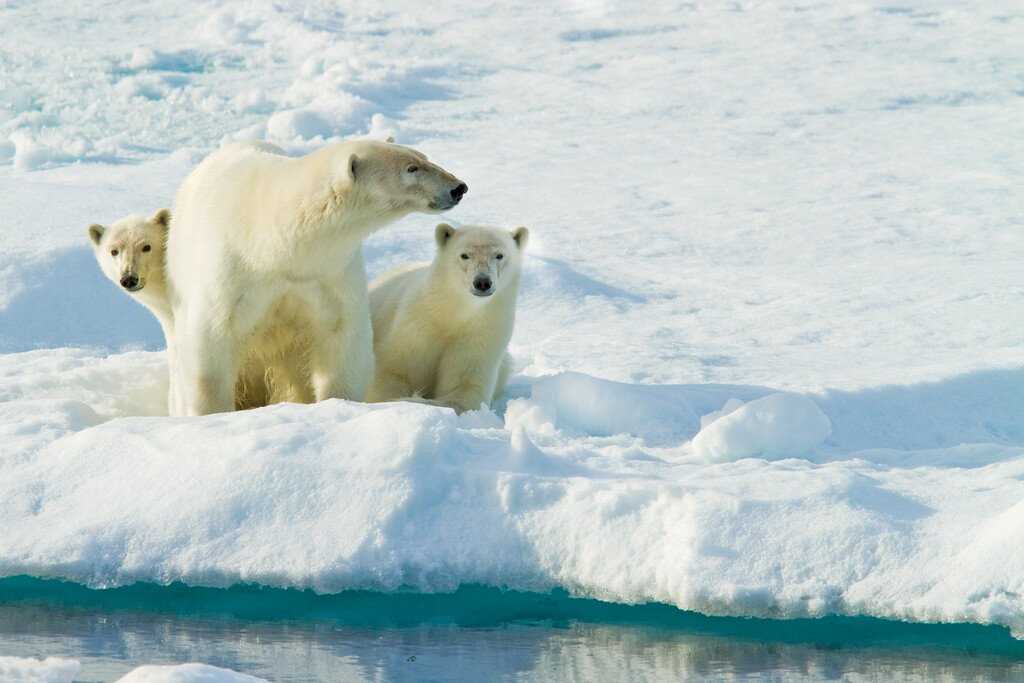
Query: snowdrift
[{"x": 729, "y": 500}]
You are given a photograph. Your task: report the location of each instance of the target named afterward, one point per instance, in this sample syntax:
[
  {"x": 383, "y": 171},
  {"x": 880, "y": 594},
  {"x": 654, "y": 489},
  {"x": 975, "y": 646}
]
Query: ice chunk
[
  {"x": 187, "y": 673},
  {"x": 775, "y": 426},
  {"x": 730, "y": 406},
  {"x": 660, "y": 415},
  {"x": 297, "y": 124},
  {"x": 49, "y": 670}
]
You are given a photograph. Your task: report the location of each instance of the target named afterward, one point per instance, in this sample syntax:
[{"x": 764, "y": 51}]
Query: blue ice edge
[{"x": 478, "y": 606}]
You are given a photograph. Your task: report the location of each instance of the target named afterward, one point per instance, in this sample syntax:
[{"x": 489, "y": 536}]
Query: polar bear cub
[
  {"x": 441, "y": 329},
  {"x": 130, "y": 252}
]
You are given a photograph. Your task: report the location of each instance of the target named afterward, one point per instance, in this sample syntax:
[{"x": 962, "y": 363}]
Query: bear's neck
[
  {"x": 338, "y": 207},
  {"x": 156, "y": 298}
]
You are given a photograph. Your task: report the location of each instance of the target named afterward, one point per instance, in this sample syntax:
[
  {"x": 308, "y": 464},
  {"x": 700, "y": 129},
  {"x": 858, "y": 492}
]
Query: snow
[
  {"x": 776, "y": 425},
  {"x": 186, "y": 673},
  {"x": 58, "y": 670},
  {"x": 49, "y": 670},
  {"x": 769, "y": 342}
]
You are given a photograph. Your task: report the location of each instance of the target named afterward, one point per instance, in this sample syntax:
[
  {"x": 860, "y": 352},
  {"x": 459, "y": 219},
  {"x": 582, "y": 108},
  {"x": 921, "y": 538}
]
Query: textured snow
[
  {"x": 776, "y": 425},
  {"x": 49, "y": 670},
  {"x": 186, "y": 673},
  {"x": 770, "y": 333},
  {"x": 58, "y": 670}
]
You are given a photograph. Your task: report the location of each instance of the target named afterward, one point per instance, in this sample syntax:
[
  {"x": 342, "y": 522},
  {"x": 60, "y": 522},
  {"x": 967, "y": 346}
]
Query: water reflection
[{"x": 368, "y": 642}]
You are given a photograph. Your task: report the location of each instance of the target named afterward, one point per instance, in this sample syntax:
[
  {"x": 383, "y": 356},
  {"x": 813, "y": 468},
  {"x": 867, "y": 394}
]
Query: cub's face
[
  {"x": 480, "y": 259},
  {"x": 131, "y": 251},
  {"x": 401, "y": 179}
]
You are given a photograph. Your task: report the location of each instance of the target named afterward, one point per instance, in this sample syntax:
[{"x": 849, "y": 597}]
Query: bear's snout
[
  {"x": 130, "y": 281},
  {"x": 460, "y": 189},
  {"x": 483, "y": 285}
]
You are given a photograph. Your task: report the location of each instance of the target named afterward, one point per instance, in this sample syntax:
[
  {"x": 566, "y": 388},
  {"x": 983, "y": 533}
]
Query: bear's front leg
[
  {"x": 174, "y": 402},
  {"x": 341, "y": 361},
  {"x": 207, "y": 370},
  {"x": 387, "y": 386},
  {"x": 466, "y": 377}
]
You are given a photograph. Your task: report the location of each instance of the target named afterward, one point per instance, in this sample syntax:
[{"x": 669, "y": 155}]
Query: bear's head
[
  {"x": 131, "y": 251},
  {"x": 480, "y": 261},
  {"x": 398, "y": 180}
]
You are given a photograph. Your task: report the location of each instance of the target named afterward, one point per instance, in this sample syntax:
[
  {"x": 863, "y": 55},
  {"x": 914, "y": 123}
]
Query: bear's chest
[{"x": 290, "y": 311}]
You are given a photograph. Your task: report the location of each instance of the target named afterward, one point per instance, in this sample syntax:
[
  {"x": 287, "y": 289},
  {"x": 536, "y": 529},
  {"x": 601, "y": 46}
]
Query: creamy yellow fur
[
  {"x": 135, "y": 246},
  {"x": 436, "y": 341},
  {"x": 268, "y": 273}
]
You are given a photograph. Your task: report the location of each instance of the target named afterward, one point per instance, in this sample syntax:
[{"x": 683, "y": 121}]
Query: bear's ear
[
  {"x": 162, "y": 218},
  {"x": 521, "y": 236},
  {"x": 96, "y": 233},
  {"x": 442, "y": 233},
  {"x": 353, "y": 161}
]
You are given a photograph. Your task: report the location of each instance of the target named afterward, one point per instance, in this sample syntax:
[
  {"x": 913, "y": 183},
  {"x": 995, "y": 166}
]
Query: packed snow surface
[
  {"x": 186, "y": 673},
  {"x": 49, "y": 670},
  {"x": 57, "y": 670},
  {"x": 770, "y": 334}
]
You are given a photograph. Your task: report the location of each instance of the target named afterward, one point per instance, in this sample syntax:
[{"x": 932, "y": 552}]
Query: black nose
[
  {"x": 482, "y": 283},
  {"x": 457, "y": 193},
  {"x": 129, "y": 281}
]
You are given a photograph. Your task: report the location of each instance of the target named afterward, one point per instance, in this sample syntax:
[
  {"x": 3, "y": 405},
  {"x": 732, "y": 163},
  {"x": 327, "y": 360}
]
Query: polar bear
[
  {"x": 267, "y": 267},
  {"x": 131, "y": 254},
  {"x": 440, "y": 329}
]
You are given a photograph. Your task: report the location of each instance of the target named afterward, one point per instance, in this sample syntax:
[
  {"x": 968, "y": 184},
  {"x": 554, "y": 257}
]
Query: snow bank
[
  {"x": 49, "y": 670},
  {"x": 187, "y": 673},
  {"x": 567, "y": 490}
]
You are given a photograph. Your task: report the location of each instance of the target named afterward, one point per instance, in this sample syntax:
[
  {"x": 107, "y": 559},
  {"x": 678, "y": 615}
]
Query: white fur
[
  {"x": 135, "y": 246},
  {"x": 267, "y": 268},
  {"x": 434, "y": 339}
]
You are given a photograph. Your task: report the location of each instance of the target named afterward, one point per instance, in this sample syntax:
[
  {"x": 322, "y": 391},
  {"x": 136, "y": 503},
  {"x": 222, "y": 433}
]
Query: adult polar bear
[{"x": 264, "y": 253}]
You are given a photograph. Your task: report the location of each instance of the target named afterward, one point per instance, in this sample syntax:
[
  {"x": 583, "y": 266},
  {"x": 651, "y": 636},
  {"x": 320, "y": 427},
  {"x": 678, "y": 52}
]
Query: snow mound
[
  {"x": 49, "y": 670},
  {"x": 187, "y": 673},
  {"x": 578, "y": 404},
  {"x": 774, "y": 426},
  {"x": 310, "y": 125}
]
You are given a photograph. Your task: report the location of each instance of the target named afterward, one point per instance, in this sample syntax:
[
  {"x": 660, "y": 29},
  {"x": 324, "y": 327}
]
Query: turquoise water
[{"x": 475, "y": 634}]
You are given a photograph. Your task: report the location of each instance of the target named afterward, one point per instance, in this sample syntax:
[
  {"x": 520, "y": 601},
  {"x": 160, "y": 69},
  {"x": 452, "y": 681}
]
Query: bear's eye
[
  {"x": 464, "y": 257},
  {"x": 499, "y": 256},
  {"x": 146, "y": 247},
  {"x": 113, "y": 252},
  {"x": 412, "y": 169}
]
